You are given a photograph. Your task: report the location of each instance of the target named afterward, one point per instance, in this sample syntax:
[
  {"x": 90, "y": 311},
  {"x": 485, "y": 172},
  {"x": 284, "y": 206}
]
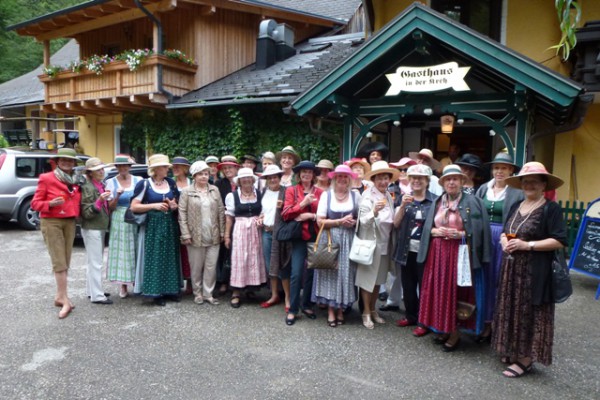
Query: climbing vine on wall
[{"x": 228, "y": 130}]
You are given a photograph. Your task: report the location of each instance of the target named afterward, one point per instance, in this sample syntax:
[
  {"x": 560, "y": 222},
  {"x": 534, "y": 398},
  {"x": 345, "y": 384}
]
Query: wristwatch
[{"x": 531, "y": 246}]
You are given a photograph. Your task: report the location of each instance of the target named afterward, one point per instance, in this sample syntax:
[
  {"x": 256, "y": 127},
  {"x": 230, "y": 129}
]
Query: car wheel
[{"x": 28, "y": 218}]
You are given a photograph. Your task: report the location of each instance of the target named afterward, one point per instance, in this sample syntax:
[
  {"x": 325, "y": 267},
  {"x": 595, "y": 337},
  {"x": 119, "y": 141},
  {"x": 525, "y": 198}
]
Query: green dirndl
[
  {"x": 162, "y": 269},
  {"x": 122, "y": 248}
]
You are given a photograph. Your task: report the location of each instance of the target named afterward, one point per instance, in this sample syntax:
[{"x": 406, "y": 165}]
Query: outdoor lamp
[{"x": 447, "y": 123}]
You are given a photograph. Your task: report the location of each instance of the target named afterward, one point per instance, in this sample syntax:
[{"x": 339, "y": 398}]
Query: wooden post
[
  {"x": 155, "y": 37},
  {"x": 46, "y": 53}
]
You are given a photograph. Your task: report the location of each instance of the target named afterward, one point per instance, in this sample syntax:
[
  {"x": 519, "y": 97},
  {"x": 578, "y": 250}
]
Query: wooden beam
[
  {"x": 74, "y": 106},
  {"x": 106, "y": 106},
  {"x": 208, "y": 10},
  {"x": 158, "y": 98},
  {"x": 49, "y": 25},
  {"x": 110, "y": 8},
  {"x": 46, "y": 53},
  {"x": 60, "y": 108},
  {"x": 143, "y": 100},
  {"x": 92, "y": 13},
  {"x": 108, "y": 20},
  {"x": 127, "y": 3}
]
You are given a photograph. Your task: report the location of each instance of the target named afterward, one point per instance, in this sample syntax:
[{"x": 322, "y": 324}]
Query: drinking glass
[{"x": 509, "y": 237}]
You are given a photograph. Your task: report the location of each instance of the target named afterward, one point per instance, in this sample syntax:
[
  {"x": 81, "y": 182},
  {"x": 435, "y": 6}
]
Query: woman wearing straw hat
[
  {"x": 243, "y": 238},
  {"x": 301, "y": 202},
  {"x": 94, "y": 224},
  {"x": 202, "y": 225},
  {"x": 338, "y": 211},
  {"x": 360, "y": 167},
  {"x": 158, "y": 270},
  {"x": 212, "y": 162},
  {"x": 524, "y": 317},
  {"x": 324, "y": 167},
  {"x": 277, "y": 254},
  {"x": 408, "y": 220},
  {"x": 287, "y": 158},
  {"x": 57, "y": 198},
  {"x": 181, "y": 169},
  {"x": 425, "y": 156},
  {"x": 498, "y": 198},
  {"x": 376, "y": 219},
  {"x": 123, "y": 236},
  {"x": 454, "y": 216}
]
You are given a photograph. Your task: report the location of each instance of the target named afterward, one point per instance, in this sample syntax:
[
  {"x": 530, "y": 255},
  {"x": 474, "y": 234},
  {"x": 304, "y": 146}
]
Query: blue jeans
[
  {"x": 267, "y": 243},
  {"x": 297, "y": 271}
]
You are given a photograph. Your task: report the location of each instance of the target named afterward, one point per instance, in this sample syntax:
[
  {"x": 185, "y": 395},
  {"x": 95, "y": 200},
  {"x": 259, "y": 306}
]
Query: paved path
[{"x": 187, "y": 351}]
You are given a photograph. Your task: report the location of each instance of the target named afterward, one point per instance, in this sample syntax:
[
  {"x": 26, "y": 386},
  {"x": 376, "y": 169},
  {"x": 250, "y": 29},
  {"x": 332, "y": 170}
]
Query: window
[
  {"x": 484, "y": 16},
  {"x": 25, "y": 167}
]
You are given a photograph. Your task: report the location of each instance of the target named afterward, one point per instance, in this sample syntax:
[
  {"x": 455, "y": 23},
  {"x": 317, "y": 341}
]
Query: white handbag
[{"x": 362, "y": 250}]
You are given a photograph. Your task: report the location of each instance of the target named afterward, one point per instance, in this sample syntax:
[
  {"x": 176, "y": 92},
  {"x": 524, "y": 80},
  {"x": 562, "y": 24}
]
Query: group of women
[{"x": 473, "y": 261}]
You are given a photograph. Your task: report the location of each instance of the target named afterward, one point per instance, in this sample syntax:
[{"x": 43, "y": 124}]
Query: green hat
[{"x": 67, "y": 152}]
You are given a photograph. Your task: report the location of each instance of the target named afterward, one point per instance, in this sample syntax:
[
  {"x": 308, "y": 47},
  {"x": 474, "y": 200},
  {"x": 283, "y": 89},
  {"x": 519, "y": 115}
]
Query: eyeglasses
[{"x": 403, "y": 169}]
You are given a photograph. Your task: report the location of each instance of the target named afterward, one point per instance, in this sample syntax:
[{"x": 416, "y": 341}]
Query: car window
[
  {"x": 26, "y": 167},
  {"x": 45, "y": 165}
]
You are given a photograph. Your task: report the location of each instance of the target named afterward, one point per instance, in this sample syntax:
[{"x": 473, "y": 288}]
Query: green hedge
[{"x": 240, "y": 130}]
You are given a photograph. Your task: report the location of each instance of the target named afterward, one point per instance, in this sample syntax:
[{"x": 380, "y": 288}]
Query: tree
[{"x": 21, "y": 54}]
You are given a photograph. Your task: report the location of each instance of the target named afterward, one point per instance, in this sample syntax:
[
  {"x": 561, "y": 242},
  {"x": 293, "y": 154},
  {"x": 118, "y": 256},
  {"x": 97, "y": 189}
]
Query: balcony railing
[{"x": 82, "y": 92}]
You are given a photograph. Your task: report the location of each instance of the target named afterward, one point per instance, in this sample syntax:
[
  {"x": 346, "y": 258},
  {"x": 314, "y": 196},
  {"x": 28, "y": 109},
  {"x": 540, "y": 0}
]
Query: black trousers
[{"x": 412, "y": 276}]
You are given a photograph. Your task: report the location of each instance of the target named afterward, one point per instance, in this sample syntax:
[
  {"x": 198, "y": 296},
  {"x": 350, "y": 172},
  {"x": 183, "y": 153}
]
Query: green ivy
[{"x": 219, "y": 131}]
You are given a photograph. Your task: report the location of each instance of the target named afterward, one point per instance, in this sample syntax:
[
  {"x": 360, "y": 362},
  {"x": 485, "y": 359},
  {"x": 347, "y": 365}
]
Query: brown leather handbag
[{"x": 322, "y": 256}]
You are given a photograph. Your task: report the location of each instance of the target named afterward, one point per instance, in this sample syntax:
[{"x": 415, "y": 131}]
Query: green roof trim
[{"x": 561, "y": 92}]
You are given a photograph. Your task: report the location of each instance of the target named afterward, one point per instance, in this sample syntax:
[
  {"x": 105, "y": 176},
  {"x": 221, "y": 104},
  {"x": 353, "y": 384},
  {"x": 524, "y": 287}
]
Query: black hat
[
  {"x": 470, "y": 160},
  {"x": 305, "y": 164},
  {"x": 370, "y": 147},
  {"x": 250, "y": 157}
]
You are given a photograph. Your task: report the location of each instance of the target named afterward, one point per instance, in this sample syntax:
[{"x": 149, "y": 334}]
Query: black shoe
[
  {"x": 105, "y": 295},
  {"x": 160, "y": 301},
  {"x": 290, "y": 321},
  {"x": 309, "y": 315},
  {"x": 449, "y": 348},
  {"x": 172, "y": 297},
  {"x": 105, "y": 301},
  {"x": 383, "y": 296},
  {"x": 388, "y": 307}
]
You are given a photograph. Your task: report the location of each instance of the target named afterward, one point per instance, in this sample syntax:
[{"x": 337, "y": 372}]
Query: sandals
[
  {"x": 367, "y": 323},
  {"x": 505, "y": 360},
  {"x": 512, "y": 372},
  {"x": 235, "y": 301},
  {"x": 376, "y": 318},
  {"x": 212, "y": 301},
  {"x": 332, "y": 324}
]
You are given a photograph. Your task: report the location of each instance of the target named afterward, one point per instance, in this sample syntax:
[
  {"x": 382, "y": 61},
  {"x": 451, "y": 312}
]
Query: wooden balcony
[{"x": 117, "y": 89}]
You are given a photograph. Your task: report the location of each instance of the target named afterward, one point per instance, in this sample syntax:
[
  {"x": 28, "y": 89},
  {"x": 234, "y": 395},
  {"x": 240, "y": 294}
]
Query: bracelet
[{"x": 338, "y": 222}]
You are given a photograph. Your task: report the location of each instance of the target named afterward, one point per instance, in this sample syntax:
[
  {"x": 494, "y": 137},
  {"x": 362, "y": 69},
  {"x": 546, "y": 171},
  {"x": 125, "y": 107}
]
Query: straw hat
[
  {"x": 198, "y": 166},
  {"x": 94, "y": 164},
  {"x": 451, "y": 170},
  {"x": 342, "y": 170},
  {"x": 426, "y": 154},
  {"x": 211, "y": 159},
  {"x": 245, "y": 173},
  {"x": 66, "y": 152},
  {"x": 361, "y": 161},
  {"x": 305, "y": 164},
  {"x": 158, "y": 160},
  {"x": 419, "y": 170},
  {"x": 228, "y": 160},
  {"x": 382, "y": 167},
  {"x": 534, "y": 168},
  {"x": 291, "y": 151},
  {"x": 122, "y": 159},
  {"x": 271, "y": 170},
  {"x": 180, "y": 161},
  {"x": 325, "y": 164},
  {"x": 404, "y": 161}
]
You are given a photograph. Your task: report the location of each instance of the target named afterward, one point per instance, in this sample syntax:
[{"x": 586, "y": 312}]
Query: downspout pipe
[{"x": 159, "y": 48}]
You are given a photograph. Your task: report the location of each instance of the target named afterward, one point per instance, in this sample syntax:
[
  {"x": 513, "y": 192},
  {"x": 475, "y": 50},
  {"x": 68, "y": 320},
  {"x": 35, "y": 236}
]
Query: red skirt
[
  {"x": 439, "y": 291},
  {"x": 185, "y": 263}
]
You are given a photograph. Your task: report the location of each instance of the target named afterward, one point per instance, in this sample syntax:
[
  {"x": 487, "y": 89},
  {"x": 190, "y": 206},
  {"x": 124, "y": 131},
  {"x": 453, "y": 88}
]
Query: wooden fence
[{"x": 573, "y": 214}]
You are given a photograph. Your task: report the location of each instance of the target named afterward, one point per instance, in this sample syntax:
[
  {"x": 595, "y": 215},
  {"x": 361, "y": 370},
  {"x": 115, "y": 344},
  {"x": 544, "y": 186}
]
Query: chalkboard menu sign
[{"x": 585, "y": 257}]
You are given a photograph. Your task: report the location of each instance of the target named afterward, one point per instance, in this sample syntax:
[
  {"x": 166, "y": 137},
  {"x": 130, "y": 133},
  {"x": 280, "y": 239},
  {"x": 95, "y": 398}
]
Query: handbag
[
  {"x": 464, "y": 310},
  {"x": 561, "y": 281},
  {"x": 362, "y": 250},
  {"x": 463, "y": 273},
  {"x": 325, "y": 256},
  {"x": 135, "y": 219},
  {"x": 289, "y": 230}
]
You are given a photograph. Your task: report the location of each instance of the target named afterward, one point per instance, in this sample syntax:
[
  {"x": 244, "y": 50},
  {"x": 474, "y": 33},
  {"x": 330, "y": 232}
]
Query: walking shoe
[
  {"x": 404, "y": 322},
  {"x": 420, "y": 331}
]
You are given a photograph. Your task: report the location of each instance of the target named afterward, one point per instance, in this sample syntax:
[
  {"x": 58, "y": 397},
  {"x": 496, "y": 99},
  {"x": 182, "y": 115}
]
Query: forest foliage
[{"x": 22, "y": 54}]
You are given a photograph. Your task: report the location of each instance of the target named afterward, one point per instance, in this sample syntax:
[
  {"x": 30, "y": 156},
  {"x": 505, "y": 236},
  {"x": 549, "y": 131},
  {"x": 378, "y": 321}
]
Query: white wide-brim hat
[{"x": 244, "y": 173}]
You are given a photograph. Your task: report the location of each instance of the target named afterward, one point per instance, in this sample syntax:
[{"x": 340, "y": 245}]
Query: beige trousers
[{"x": 203, "y": 265}]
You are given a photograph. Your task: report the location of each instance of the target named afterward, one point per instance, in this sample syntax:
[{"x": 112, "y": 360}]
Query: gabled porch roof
[{"x": 421, "y": 37}]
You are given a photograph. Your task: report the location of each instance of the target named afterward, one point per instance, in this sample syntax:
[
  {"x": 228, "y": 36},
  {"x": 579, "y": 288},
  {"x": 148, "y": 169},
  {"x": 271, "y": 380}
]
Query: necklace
[
  {"x": 157, "y": 183},
  {"x": 341, "y": 198},
  {"x": 534, "y": 207},
  {"x": 247, "y": 195}
]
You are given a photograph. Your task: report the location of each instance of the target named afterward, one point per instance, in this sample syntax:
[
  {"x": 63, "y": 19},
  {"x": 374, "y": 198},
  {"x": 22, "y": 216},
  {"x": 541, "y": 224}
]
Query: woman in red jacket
[
  {"x": 301, "y": 202},
  {"x": 57, "y": 199}
]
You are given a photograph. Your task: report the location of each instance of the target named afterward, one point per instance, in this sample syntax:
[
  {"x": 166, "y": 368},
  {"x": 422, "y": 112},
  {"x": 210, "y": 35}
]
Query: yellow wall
[{"x": 97, "y": 137}]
